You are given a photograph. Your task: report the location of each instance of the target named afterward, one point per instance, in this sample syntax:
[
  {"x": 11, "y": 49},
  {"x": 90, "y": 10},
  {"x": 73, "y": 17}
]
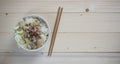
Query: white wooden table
[{"x": 89, "y": 31}]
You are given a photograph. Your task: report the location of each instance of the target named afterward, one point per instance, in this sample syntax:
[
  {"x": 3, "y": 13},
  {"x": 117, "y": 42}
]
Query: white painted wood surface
[
  {"x": 59, "y": 58},
  {"x": 91, "y": 37}
]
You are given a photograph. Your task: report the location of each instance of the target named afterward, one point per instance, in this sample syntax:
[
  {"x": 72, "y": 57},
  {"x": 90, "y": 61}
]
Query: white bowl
[{"x": 40, "y": 17}]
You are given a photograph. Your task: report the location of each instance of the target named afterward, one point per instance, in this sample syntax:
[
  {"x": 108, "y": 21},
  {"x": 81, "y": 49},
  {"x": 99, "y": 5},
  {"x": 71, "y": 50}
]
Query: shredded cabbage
[{"x": 31, "y": 33}]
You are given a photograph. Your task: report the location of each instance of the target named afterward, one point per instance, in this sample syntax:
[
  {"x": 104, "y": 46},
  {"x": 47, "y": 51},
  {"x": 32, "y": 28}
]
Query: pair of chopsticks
[{"x": 59, "y": 13}]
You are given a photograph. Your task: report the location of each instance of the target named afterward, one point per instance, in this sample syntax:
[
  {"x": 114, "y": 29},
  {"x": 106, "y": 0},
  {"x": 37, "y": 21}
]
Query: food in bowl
[{"x": 32, "y": 32}]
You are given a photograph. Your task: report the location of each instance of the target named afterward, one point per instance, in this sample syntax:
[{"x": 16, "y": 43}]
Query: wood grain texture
[
  {"x": 51, "y": 6},
  {"x": 87, "y": 42},
  {"x": 71, "y": 42},
  {"x": 91, "y": 37},
  {"x": 70, "y": 22},
  {"x": 37, "y": 58}
]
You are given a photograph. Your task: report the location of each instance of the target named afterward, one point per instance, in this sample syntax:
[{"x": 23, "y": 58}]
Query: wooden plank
[
  {"x": 90, "y": 22},
  {"x": 69, "y": 6},
  {"x": 92, "y": 5},
  {"x": 108, "y": 5},
  {"x": 27, "y": 0},
  {"x": 36, "y": 58},
  {"x": 71, "y": 42},
  {"x": 28, "y": 6},
  {"x": 87, "y": 42},
  {"x": 70, "y": 22}
]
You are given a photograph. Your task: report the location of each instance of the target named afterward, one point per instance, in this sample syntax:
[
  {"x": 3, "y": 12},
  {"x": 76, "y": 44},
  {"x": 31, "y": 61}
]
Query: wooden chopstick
[{"x": 59, "y": 13}]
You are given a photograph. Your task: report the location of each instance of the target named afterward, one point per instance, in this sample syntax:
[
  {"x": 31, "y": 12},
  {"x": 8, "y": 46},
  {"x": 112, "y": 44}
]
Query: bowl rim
[{"x": 49, "y": 32}]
